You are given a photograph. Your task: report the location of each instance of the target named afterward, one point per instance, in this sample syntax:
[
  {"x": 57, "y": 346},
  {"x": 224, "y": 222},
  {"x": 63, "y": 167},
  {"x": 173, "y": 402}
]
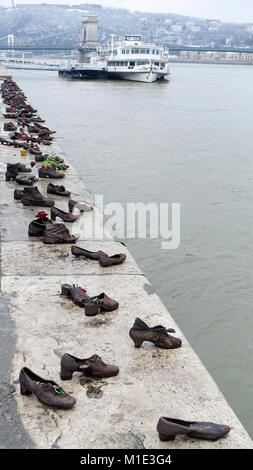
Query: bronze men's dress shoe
[
  {"x": 104, "y": 302},
  {"x": 46, "y": 391},
  {"x": 169, "y": 428},
  {"x": 25, "y": 180},
  {"x": 59, "y": 190},
  {"x": 58, "y": 233},
  {"x": 158, "y": 335},
  {"x": 94, "y": 366}
]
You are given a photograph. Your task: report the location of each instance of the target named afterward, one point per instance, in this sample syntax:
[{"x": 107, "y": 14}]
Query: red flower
[
  {"x": 35, "y": 179},
  {"x": 42, "y": 215},
  {"x": 83, "y": 290},
  {"x": 32, "y": 164}
]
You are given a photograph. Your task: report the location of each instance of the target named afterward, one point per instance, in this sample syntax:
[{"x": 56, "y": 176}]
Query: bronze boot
[
  {"x": 158, "y": 335},
  {"x": 32, "y": 197}
]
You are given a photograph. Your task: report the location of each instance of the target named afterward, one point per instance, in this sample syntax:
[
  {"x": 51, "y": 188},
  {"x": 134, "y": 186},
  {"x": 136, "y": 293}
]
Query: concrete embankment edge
[{"x": 120, "y": 412}]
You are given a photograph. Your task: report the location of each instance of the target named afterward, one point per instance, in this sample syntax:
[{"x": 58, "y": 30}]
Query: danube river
[{"x": 188, "y": 141}]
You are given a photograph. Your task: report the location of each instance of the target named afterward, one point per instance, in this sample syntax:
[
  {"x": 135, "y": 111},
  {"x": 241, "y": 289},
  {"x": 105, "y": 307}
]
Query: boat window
[
  {"x": 157, "y": 51},
  {"x": 123, "y": 51},
  {"x": 132, "y": 63},
  {"x": 127, "y": 51},
  {"x": 135, "y": 51},
  {"x": 141, "y": 62},
  {"x": 147, "y": 51},
  {"x": 156, "y": 63}
]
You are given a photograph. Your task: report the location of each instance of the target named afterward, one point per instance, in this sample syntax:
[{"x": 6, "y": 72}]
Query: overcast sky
[{"x": 226, "y": 10}]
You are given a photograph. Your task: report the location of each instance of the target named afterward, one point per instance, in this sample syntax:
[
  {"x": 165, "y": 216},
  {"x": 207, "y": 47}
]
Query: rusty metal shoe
[
  {"x": 32, "y": 197},
  {"x": 50, "y": 173},
  {"x": 104, "y": 302},
  {"x": 94, "y": 366},
  {"x": 66, "y": 216},
  {"x": 94, "y": 255},
  {"x": 75, "y": 293},
  {"x": 169, "y": 428},
  {"x": 106, "y": 261},
  {"x": 46, "y": 391},
  {"x": 59, "y": 190},
  {"x": 158, "y": 335},
  {"x": 58, "y": 233}
]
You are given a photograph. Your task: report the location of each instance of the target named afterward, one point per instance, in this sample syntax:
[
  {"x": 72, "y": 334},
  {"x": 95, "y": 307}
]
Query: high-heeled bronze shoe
[
  {"x": 158, "y": 335},
  {"x": 94, "y": 366},
  {"x": 66, "y": 216},
  {"x": 46, "y": 391}
]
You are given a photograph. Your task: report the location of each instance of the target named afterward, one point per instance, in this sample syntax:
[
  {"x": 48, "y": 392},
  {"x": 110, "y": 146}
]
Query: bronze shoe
[
  {"x": 59, "y": 190},
  {"x": 82, "y": 206},
  {"x": 169, "y": 428},
  {"x": 38, "y": 226},
  {"x": 106, "y": 261},
  {"x": 66, "y": 216},
  {"x": 158, "y": 335},
  {"x": 58, "y": 233},
  {"x": 104, "y": 302},
  {"x": 94, "y": 366},
  {"x": 32, "y": 197},
  {"x": 94, "y": 255},
  {"x": 50, "y": 173},
  {"x": 46, "y": 391},
  {"x": 76, "y": 293},
  {"x": 25, "y": 180},
  {"x": 18, "y": 194}
]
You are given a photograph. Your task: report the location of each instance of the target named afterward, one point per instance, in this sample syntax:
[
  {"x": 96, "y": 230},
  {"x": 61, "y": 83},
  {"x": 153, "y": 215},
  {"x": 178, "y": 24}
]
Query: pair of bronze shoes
[
  {"x": 50, "y": 393},
  {"x": 103, "y": 258},
  {"x": 92, "y": 305}
]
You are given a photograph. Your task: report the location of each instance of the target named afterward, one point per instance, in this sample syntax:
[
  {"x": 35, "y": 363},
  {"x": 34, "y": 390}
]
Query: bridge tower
[{"x": 89, "y": 41}]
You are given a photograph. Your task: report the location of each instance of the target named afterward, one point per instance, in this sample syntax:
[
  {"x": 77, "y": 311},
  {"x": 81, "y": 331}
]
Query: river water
[{"x": 188, "y": 141}]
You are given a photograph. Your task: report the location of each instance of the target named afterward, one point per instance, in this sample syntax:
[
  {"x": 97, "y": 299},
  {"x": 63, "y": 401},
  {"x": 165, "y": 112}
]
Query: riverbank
[{"x": 152, "y": 382}]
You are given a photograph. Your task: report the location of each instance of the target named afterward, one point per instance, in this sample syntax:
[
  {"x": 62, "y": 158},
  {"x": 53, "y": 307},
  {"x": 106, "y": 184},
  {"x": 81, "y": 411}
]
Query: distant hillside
[{"x": 61, "y": 25}]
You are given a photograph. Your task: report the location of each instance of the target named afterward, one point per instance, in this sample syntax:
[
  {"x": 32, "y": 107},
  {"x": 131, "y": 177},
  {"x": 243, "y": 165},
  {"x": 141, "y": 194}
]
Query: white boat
[{"x": 132, "y": 59}]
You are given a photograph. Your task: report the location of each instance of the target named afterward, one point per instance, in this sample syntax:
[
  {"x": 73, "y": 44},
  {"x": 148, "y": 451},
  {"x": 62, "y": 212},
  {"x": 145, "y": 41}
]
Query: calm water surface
[{"x": 187, "y": 141}]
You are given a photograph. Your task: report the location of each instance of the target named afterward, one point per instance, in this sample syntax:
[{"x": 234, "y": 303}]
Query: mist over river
[{"x": 188, "y": 141}]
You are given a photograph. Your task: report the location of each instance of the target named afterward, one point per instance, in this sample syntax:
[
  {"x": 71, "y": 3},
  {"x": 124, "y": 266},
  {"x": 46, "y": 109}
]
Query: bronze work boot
[
  {"x": 94, "y": 255},
  {"x": 32, "y": 197},
  {"x": 169, "y": 428},
  {"x": 18, "y": 194},
  {"x": 94, "y": 366},
  {"x": 76, "y": 293},
  {"x": 158, "y": 335},
  {"x": 50, "y": 173},
  {"x": 59, "y": 190},
  {"x": 66, "y": 216},
  {"x": 58, "y": 233},
  {"x": 46, "y": 391}
]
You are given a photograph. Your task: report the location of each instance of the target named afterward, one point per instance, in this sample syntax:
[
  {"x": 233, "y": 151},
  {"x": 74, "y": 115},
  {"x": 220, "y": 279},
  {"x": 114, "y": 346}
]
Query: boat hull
[{"x": 147, "y": 76}]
